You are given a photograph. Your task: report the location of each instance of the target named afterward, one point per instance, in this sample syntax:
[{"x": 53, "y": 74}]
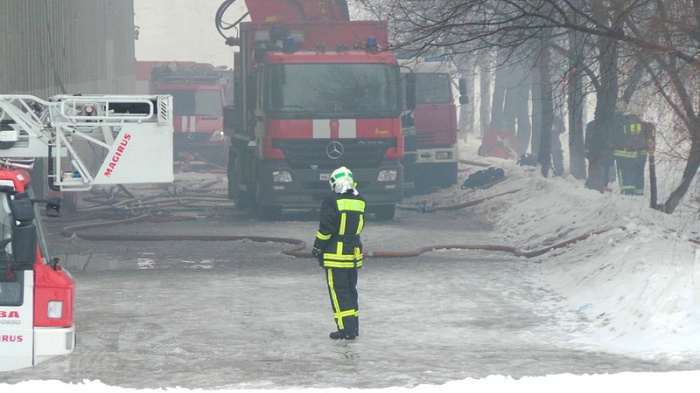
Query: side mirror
[
  {"x": 24, "y": 241},
  {"x": 22, "y": 208},
  {"x": 251, "y": 93},
  {"x": 462, "y": 86},
  {"x": 411, "y": 91},
  {"x": 53, "y": 208},
  {"x": 24, "y": 236},
  {"x": 463, "y": 99}
]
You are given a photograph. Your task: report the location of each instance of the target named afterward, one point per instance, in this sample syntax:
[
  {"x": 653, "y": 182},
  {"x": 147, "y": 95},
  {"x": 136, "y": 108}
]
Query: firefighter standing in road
[{"x": 338, "y": 249}]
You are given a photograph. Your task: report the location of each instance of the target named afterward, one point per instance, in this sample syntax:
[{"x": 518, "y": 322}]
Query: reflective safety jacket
[{"x": 338, "y": 236}]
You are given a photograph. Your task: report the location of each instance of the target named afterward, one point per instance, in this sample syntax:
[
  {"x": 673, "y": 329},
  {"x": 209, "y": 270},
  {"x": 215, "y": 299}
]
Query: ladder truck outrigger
[
  {"x": 313, "y": 91},
  {"x": 88, "y": 140}
]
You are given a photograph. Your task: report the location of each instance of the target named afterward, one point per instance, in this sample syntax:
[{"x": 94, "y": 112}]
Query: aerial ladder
[
  {"x": 129, "y": 138},
  {"x": 88, "y": 140}
]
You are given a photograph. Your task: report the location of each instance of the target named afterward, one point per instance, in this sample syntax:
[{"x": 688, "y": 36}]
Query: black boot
[{"x": 343, "y": 334}]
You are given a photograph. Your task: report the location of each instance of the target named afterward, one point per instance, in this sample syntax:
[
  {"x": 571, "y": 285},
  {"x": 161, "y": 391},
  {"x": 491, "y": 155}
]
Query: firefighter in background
[
  {"x": 630, "y": 151},
  {"x": 338, "y": 249}
]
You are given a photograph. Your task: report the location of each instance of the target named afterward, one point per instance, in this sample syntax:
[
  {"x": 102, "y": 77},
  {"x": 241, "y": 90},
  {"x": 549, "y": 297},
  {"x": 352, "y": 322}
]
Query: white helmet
[{"x": 341, "y": 177}]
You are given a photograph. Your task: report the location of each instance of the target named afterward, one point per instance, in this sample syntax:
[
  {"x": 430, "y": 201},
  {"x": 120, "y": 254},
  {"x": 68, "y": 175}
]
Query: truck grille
[
  {"x": 356, "y": 153},
  {"x": 190, "y": 137},
  {"x": 426, "y": 139}
]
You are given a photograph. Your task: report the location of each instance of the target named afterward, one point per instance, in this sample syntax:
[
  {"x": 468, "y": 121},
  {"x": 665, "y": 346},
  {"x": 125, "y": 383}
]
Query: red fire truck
[
  {"x": 313, "y": 91},
  {"x": 123, "y": 134},
  {"x": 199, "y": 92},
  {"x": 436, "y": 153}
]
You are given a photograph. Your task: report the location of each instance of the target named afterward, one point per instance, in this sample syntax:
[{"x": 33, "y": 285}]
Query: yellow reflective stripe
[
  {"x": 625, "y": 153},
  {"x": 334, "y": 297},
  {"x": 342, "y": 265},
  {"x": 339, "y": 258},
  {"x": 343, "y": 219},
  {"x": 347, "y": 313},
  {"x": 321, "y": 236},
  {"x": 354, "y": 205},
  {"x": 360, "y": 224}
]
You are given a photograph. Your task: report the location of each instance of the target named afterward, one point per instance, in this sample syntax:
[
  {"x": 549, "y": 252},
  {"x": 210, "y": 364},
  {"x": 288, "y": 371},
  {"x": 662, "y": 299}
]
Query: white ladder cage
[{"x": 90, "y": 139}]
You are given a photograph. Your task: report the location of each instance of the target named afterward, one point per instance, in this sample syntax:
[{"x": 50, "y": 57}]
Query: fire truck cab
[
  {"x": 313, "y": 91},
  {"x": 432, "y": 141},
  {"x": 199, "y": 91},
  {"x": 36, "y": 293}
]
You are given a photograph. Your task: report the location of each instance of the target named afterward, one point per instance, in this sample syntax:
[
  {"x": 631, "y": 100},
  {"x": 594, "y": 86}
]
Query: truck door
[
  {"x": 16, "y": 301},
  {"x": 16, "y": 320}
]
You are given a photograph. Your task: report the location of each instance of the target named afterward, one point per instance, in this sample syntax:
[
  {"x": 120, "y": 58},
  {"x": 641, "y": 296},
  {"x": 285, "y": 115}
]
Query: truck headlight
[
  {"x": 387, "y": 175},
  {"x": 443, "y": 155},
  {"x": 55, "y": 309},
  {"x": 281, "y": 177},
  {"x": 217, "y": 136}
]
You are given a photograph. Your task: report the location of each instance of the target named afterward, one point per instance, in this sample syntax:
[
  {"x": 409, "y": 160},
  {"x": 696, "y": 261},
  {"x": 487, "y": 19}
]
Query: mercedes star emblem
[{"x": 334, "y": 150}]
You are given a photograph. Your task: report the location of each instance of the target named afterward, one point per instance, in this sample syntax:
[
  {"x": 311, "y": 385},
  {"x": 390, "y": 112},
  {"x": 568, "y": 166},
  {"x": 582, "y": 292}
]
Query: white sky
[{"x": 183, "y": 30}]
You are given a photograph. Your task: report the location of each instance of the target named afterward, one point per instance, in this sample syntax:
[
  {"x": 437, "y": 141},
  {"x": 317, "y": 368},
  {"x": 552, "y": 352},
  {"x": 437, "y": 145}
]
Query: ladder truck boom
[{"x": 128, "y": 134}]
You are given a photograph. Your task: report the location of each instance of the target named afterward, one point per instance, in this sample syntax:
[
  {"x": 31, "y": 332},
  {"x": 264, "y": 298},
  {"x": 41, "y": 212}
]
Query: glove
[{"x": 318, "y": 254}]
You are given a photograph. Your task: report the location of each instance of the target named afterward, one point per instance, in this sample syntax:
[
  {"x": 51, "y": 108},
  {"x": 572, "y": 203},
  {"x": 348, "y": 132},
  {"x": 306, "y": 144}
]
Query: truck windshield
[
  {"x": 196, "y": 102},
  {"x": 336, "y": 90},
  {"x": 432, "y": 89}
]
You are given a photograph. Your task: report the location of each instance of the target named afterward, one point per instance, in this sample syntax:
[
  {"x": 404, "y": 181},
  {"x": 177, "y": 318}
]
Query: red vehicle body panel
[
  {"x": 436, "y": 125},
  {"x": 294, "y": 11}
]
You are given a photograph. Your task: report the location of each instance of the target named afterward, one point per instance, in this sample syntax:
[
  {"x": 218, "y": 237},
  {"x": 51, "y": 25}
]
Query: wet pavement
[{"x": 241, "y": 314}]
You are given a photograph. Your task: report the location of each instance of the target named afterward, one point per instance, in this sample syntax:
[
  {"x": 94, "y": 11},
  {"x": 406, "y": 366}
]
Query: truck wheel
[
  {"x": 263, "y": 212},
  {"x": 450, "y": 178},
  {"x": 385, "y": 212},
  {"x": 234, "y": 181}
]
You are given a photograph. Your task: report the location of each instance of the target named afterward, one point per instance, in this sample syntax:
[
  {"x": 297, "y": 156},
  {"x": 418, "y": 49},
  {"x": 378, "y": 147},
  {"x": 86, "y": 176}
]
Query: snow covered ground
[{"x": 638, "y": 281}]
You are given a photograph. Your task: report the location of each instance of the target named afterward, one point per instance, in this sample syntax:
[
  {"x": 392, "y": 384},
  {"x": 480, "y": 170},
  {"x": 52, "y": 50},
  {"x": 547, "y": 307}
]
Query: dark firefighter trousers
[
  {"x": 630, "y": 170},
  {"x": 342, "y": 288}
]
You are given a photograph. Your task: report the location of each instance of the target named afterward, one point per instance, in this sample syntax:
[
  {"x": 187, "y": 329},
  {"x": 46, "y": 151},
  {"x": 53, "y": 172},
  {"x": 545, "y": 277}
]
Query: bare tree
[{"x": 662, "y": 34}]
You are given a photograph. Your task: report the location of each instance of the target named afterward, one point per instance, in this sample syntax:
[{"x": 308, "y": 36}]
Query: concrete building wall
[{"x": 50, "y": 47}]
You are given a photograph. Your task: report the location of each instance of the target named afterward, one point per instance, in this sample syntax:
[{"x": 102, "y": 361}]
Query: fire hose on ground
[{"x": 298, "y": 246}]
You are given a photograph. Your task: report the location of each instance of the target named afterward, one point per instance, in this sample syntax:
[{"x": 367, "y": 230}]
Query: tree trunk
[
  {"x": 499, "y": 97},
  {"x": 691, "y": 168},
  {"x": 536, "y": 113},
  {"x": 577, "y": 159},
  {"x": 466, "y": 111},
  {"x": 522, "y": 114},
  {"x": 604, "y": 113},
  {"x": 547, "y": 106},
  {"x": 485, "y": 94}
]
